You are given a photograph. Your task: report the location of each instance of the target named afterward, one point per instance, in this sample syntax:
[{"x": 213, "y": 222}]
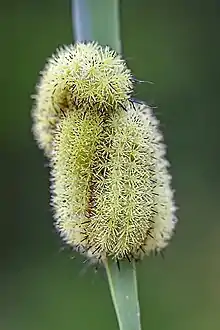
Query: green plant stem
[
  {"x": 123, "y": 287},
  {"x": 98, "y": 20}
]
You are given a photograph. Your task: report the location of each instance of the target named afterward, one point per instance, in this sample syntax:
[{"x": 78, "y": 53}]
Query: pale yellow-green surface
[
  {"x": 110, "y": 185},
  {"x": 78, "y": 75},
  {"x": 175, "y": 45}
]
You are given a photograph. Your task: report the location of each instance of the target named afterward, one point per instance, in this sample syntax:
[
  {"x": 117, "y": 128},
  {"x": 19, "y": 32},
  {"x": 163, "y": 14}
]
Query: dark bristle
[
  {"x": 123, "y": 107},
  {"x": 84, "y": 222},
  {"x": 149, "y": 234},
  {"x": 127, "y": 256},
  {"x": 112, "y": 87},
  {"x": 88, "y": 248},
  {"x": 142, "y": 249},
  {"x": 132, "y": 102},
  {"x": 83, "y": 115},
  {"x": 152, "y": 221},
  {"x": 63, "y": 112},
  {"x": 83, "y": 232},
  {"x": 136, "y": 101},
  {"x": 84, "y": 239},
  {"x": 118, "y": 265},
  {"x": 97, "y": 249},
  {"x": 77, "y": 248}
]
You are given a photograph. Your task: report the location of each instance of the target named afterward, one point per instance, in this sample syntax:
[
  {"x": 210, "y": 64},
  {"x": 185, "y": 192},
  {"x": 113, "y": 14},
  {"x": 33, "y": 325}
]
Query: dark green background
[{"x": 176, "y": 45}]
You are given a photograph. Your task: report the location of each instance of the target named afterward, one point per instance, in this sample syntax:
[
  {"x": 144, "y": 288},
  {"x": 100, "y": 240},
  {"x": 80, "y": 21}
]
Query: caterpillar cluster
[{"x": 110, "y": 188}]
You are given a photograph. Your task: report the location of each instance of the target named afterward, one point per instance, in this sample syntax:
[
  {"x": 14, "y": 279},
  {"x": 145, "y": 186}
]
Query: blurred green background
[{"x": 176, "y": 45}]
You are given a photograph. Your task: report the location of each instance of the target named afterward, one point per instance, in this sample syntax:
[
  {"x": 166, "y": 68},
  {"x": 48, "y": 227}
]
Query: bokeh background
[{"x": 176, "y": 45}]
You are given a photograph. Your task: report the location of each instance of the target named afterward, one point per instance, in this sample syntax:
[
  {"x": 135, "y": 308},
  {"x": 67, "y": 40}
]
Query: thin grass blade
[{"x": 123, "y": 286}]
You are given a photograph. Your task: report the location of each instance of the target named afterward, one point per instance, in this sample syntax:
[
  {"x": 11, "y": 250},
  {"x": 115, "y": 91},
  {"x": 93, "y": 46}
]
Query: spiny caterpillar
[
  {"x": 79, "y": 75},
  {"x": 110, "y": 186}
]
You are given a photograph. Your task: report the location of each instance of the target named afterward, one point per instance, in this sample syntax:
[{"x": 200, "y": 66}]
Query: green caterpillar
[
  {"x": 79, "y": 75},
  {"x": 110, "y": 187}
]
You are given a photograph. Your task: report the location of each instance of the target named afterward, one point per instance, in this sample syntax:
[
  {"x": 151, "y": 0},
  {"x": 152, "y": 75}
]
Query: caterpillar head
[{"x": 87, "y": 75}]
